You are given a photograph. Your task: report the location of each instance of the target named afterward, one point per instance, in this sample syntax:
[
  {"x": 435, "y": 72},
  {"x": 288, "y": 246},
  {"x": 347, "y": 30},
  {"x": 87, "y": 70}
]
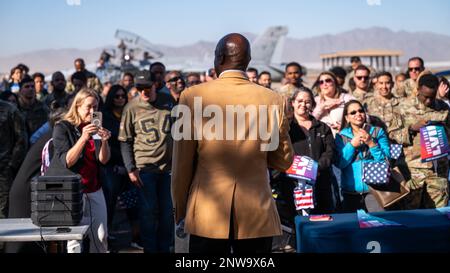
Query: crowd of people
[{"x": 345, "y": 118}]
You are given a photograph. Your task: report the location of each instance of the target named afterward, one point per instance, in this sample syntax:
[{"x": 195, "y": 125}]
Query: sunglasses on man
[
  {"x": 360, "y": 78},
  {"x": 175, "y": 79},
  {"x": 413, "y": 69}
]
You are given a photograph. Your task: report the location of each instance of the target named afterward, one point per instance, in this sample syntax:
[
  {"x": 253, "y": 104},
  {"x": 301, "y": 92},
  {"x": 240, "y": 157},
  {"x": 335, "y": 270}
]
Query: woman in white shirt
[{"x": 330, "y": 101}]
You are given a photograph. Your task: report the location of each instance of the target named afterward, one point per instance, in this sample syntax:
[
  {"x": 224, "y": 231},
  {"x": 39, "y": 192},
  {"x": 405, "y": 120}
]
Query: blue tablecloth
[{"x": 425, "y": 230}]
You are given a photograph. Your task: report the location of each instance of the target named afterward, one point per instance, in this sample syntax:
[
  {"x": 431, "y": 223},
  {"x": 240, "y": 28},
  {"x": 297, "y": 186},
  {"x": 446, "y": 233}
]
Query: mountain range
[{"x": 430, "y": 46}]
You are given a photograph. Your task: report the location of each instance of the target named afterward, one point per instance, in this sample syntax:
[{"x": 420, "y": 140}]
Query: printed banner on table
[
  {"x": 445, "y": 210},
  {"x": 303, "y": 167},
  {"x": 433, "y": 143},
  {"x": 369, "y": 221}
]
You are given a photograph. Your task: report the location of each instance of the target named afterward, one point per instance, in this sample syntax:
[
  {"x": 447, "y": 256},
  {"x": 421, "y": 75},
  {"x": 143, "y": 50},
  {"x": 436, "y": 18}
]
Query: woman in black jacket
[
  {"x": 81, "y": 146},
  {"x": 313, "y": 138}
]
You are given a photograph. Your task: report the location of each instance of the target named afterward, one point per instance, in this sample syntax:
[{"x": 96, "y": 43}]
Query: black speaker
[{"x": 56, "y": 200}]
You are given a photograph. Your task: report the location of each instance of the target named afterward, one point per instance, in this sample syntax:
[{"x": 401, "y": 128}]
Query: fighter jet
[{"x": 267, "y": 50}]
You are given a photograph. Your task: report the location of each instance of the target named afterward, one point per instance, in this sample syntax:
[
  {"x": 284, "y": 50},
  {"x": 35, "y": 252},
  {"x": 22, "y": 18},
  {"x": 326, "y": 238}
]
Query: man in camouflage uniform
[
  {"x": 429, "y": 189},
  {"x": 59, "y": 93},
  {"x": 384, "y": 105},
  {"x": 415, "y": 67},
  {"x": 92, "y": 79},
  {"x": 146, "y": 147},
  {"x": 293, "y": 76},
  {"x": 355, "y": 62},
  {"x": 13, "y": 149},
  {"x": 34, "y": 112}
]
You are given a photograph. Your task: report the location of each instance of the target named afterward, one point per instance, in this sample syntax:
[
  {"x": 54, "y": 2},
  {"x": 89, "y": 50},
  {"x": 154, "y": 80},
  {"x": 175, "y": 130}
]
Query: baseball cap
[
  {"x": 143, "y": 79},
  {"x": 355, "y": 59}
]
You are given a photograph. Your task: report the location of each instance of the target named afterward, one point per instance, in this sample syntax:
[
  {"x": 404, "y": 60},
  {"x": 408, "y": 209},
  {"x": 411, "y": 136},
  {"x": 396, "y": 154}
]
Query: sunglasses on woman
[
  {"x": 361, "y": 111},
  {"x": 119, "y": 96},
  {"x": 322, "y": 82}
]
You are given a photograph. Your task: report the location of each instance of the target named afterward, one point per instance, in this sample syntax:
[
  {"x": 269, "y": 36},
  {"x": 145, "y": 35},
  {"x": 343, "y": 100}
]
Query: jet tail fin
[{"x": 267, "y": 48}]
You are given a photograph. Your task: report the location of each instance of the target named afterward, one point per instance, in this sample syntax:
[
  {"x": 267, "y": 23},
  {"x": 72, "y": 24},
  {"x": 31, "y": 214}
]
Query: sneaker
[{"x": 136, "y": 245}]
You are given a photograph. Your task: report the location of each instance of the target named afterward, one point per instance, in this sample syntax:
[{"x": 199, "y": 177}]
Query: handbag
[
  {"x": 376, "y": 173},
  {"x": 389, "y": 193}
]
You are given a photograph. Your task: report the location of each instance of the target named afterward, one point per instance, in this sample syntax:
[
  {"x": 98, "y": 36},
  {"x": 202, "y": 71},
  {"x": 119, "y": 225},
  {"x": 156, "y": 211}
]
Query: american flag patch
[
  {"x": 303, "y": 198},
  {"x": 396, "y": 150}
]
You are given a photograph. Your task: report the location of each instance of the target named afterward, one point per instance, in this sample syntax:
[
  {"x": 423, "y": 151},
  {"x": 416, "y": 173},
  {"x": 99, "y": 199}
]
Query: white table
[{"x": 23, "y": 230}]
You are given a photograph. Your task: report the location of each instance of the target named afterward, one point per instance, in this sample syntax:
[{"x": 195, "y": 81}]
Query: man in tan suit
[{"x": 220, "y": 183}]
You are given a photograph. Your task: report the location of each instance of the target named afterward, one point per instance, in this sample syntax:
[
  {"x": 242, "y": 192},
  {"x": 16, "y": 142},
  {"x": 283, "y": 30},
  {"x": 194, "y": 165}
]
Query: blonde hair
[
  {"x": 72, "y": 115},
  {"x": 336, "y": 87}
]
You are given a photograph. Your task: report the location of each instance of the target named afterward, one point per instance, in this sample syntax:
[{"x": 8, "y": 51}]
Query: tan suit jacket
[{"x": 214, "y": 179}]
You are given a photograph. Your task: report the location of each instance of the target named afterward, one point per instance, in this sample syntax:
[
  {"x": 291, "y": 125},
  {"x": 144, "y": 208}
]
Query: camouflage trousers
[{"x": 427, "y": 190}]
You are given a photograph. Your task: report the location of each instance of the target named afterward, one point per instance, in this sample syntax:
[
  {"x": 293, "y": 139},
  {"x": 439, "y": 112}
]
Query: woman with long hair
[
  {"x": 313, "y": 138},
  {"x": 76, "y": 149},
  {"x": 358, "y": 142},
  {"x": 330, "y": 100},
  {"x": 114, "y": 175}
]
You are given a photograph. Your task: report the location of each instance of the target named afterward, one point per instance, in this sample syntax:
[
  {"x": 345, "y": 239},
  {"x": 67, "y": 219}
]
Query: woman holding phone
[
  {"x": 358, "y": 142},
  {"x": 81, "y": 146}
]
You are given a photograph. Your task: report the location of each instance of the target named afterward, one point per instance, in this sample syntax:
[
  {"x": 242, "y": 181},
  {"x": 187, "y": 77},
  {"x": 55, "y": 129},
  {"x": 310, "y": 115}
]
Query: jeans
[
  {"x": 112, "y": 184},
  {"x": 94, "y": 215},
  {"x": 156, "y": 212}
]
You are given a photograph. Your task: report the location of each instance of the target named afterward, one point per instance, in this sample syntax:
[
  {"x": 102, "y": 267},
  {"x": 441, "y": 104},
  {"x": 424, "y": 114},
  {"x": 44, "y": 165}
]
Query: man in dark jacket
[{"x": 12, "y": 151}]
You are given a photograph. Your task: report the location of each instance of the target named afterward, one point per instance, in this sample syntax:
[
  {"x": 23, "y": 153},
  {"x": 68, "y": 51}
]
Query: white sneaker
[{"x": 136, "y": 245}]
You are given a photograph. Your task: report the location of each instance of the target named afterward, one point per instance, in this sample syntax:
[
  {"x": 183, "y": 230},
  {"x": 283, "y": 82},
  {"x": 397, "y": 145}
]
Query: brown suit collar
[{"x": 233, "y": 74}]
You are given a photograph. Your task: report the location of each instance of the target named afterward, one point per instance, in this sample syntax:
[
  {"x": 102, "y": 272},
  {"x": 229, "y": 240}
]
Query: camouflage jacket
[
  {"x": 361, "y": 95},
  {"x": 413, "y": 111},
  {"x": 389, "y": 113},
  {"x": 13, "y": 137},
  {"x": 406, "y": 90}
]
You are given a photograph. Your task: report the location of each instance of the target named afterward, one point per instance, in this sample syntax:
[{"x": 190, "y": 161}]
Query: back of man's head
[
  {"x": 232, "y": 52},
  {"x": 57, "y": 75},
  {"x": 79, "y": 76}
]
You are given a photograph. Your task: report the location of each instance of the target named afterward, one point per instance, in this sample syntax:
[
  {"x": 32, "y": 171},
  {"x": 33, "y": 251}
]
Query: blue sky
[{"x": 28, "y": 25}]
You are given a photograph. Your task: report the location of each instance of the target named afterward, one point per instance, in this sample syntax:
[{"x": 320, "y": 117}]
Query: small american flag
[
  {"x": 396, "y": 150},
  {"x": 376, "y": 173},
  {"x": 303, "y": 197}
]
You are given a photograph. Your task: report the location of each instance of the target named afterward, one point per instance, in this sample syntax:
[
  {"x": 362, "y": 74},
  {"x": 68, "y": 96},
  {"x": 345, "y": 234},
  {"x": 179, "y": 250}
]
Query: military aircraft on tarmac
[{"x": 267, "y": 50}]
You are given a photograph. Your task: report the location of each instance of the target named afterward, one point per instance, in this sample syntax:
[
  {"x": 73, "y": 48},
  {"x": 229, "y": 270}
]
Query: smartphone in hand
[
  {"x": 97, "y": 119},
  {"x": 366, "y": 127}
]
